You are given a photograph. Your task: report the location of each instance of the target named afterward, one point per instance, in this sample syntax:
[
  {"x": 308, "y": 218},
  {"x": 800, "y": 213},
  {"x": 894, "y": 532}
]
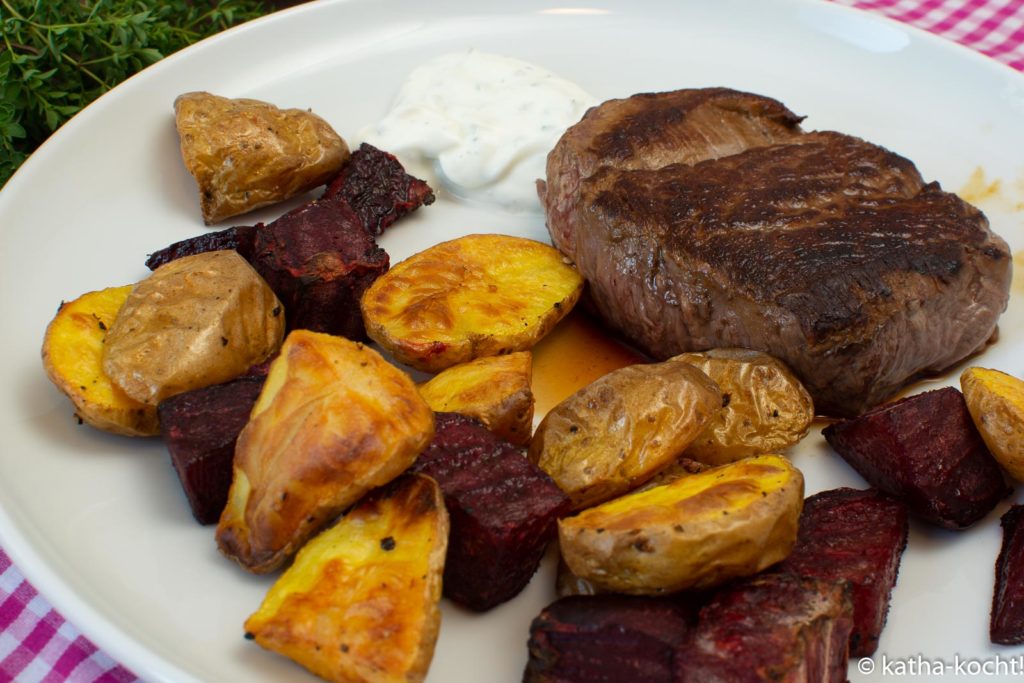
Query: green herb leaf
[{"x": 58, "y": 56}]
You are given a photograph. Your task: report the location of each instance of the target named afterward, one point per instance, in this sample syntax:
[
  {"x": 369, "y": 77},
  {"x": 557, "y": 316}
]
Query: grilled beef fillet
[{"x": 708, "y": 218}]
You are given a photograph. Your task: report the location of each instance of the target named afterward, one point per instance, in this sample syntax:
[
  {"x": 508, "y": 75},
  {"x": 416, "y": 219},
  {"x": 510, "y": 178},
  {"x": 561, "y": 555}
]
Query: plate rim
[{"x": 14, "y": 533}]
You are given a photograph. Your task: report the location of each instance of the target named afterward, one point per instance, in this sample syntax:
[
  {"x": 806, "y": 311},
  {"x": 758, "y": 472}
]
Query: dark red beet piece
[
  {"x": 857, "y": 536},
  {"x": 770, "y": 627},
  {"x": 319, "y": 259},
  {"x": 925, "y": 451},
  {"x": 1006, "y": 625},
  {"x": 239, "y": 238},
  {"x": 377, "y": 187},
  {"x": 503, "y": 510},
  {"x": 200, "y": 428},
  {"x": 605, "y": 639}
]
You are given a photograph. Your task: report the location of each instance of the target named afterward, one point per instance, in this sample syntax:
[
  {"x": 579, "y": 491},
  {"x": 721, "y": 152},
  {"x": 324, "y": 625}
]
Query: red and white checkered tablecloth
[
  {"x": 992, "y": 27},
  {"x": 38, "y": 646}
]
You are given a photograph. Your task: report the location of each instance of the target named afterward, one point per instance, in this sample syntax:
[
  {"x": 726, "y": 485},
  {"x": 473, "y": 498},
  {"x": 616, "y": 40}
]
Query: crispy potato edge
[{"x": 72, "y": 356}]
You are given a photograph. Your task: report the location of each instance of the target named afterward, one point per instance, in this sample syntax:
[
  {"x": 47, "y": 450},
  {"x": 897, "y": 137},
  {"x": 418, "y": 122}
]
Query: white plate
[{"x": 98, "y": 522}]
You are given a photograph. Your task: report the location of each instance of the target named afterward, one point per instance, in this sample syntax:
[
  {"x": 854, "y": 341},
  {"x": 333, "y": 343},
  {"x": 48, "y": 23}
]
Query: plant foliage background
[{"x": 59, "y": 55}]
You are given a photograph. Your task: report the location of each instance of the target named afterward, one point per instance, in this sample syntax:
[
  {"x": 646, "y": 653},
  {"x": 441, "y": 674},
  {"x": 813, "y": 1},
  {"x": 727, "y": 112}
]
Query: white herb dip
[{"x": 485, "y": 122}]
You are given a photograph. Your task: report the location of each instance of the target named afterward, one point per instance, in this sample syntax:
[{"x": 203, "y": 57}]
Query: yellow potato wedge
[
  {"x": 333, "y": 421},
  {"x": 996, "y": 403},
  {"x": 73, "y": 359},
  {"x": 493, "y": 389},
  {"x": 683, "y": 467},
  {"x": 475, "y": 296},
  {"x": 360, "y": 602},
  {"x": 694, "y": 532},
  {"x": 196, "y": 321},
  {"x": 619, "y": 431},
  {"x": 765, "y": 407},
  {"x": 567, "y": 583},
  {"x": 245, "y": 153}
]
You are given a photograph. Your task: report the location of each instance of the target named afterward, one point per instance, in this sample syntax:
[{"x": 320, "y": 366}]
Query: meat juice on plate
[
  {"x": 577, "y": 352},
  {"x": 484, "y": 122}
]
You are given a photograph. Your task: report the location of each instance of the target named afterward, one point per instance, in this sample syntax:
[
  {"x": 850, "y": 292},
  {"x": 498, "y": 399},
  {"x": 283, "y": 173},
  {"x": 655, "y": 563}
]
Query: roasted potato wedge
[
  {"x": 475, "y": 296},
  {"x": 73, "y": 359},
  {"x": 493, "y": 389},
  {"x": 619, "y": 431},
  {"x": 765, "y": 408},
  {"x": 683, "y": 467},
  {"x": 245, "y": 153},
  {"x": 360, "y": 602},
  {"x": 695, "y": 532},
  {"x": 333, "y": 421},
  {"x": 196, "y": 321},
  {"x": 995, "y": 401},
  {"x": 567, "y": 583}
]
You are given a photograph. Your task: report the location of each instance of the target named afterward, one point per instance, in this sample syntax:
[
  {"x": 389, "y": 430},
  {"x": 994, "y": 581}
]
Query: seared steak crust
[
  {"x": 821, "y": 249},
  {"x": 690, "y": 125}
]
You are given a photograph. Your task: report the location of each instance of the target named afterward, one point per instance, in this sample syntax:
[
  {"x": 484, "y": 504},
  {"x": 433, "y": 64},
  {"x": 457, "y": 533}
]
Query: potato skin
[
  {"x": 493, "y": 389},
  {"x": 695, "y": 532},
  {"x": 765, "y": 407},
  {"x": 361, "y": 601},
  {"x": 73, "y": 348},
  {"x": 196, "y": 321},
  {"x": 333, "y": 421},
  {"x": 995, "y": 401},
  {"x": 245, "y": 153},
  {"x": 475, "y": 296},
  {"x": 620, "y": 430}
]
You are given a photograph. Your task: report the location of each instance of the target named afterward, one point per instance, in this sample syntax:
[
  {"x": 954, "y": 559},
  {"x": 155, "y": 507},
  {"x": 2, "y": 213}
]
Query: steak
[{"x": 709, "y": 218}]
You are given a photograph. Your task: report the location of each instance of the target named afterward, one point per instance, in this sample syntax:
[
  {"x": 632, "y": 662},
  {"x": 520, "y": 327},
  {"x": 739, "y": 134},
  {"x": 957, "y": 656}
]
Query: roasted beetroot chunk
[
  {"x": 200, "y": 428},
  {"x": 770, "y": 627},
  {"x": 503, "y": 511},
  {"x": 604, "y": 639},
  {"x": 239, "y": 238},
  {"x": 319, "y": 259},
  {"x": 857, "y": 536},
  {"x": 925, "y": 451},
  {"x": 377, "y": 187},
  {"x": 1006, "y": 626}
]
